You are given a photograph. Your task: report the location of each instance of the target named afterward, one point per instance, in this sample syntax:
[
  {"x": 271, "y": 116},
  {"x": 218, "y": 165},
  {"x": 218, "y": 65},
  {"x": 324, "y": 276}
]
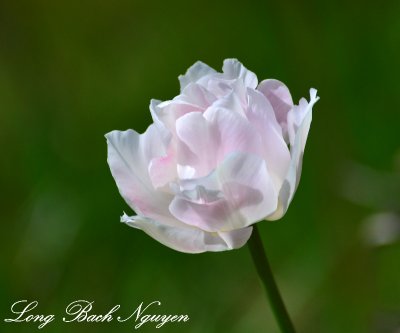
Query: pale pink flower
[{"x": 221, "y": 156}]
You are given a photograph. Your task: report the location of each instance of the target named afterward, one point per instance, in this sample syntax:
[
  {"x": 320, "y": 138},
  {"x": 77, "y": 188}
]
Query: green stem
[{"x": 264, "y": 271}]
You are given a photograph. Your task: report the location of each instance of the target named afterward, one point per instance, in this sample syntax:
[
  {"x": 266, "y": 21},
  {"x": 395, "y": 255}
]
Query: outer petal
[
  {"x": 298, "y": 113},
  {"x": 194, "y": 73},
  {"x": 298, "y": 142},
  {"x": 129, "y": 155},
  {"x": 279, "y": 97},
  {"x": 238, "y": 194},
  {"x": 233, "y": 69},
  {"x": 188, "y": 239}
]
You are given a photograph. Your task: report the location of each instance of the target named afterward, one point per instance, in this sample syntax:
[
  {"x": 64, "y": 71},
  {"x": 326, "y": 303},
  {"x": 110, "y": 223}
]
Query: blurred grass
[{"x": 70, "y": 71}]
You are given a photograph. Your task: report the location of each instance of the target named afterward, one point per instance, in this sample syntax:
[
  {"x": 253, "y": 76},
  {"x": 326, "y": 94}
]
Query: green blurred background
[{"x": 70, "y": 71}]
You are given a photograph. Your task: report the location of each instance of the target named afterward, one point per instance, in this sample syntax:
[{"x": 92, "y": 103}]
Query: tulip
[{"x": 221, "y": 156}]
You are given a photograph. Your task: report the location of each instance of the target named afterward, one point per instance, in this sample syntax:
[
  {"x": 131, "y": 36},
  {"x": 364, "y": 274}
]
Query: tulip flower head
[{"x": 222, "y": 155}]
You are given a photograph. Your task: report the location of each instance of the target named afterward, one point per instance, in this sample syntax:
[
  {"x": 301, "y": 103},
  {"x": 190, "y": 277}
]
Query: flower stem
[{"x": 264, "y": 271}]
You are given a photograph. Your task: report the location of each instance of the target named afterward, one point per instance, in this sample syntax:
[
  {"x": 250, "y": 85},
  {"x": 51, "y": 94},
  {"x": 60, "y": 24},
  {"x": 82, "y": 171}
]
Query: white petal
[
  {"x": 298, "y": 113},
  {"x": 298, "y": 142},
  {"x": 129, "y": 156},
  {"x": 233, "y": 69},
  {"x": 188, "y": 239},
  {"x": 194, "y": 73}
]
